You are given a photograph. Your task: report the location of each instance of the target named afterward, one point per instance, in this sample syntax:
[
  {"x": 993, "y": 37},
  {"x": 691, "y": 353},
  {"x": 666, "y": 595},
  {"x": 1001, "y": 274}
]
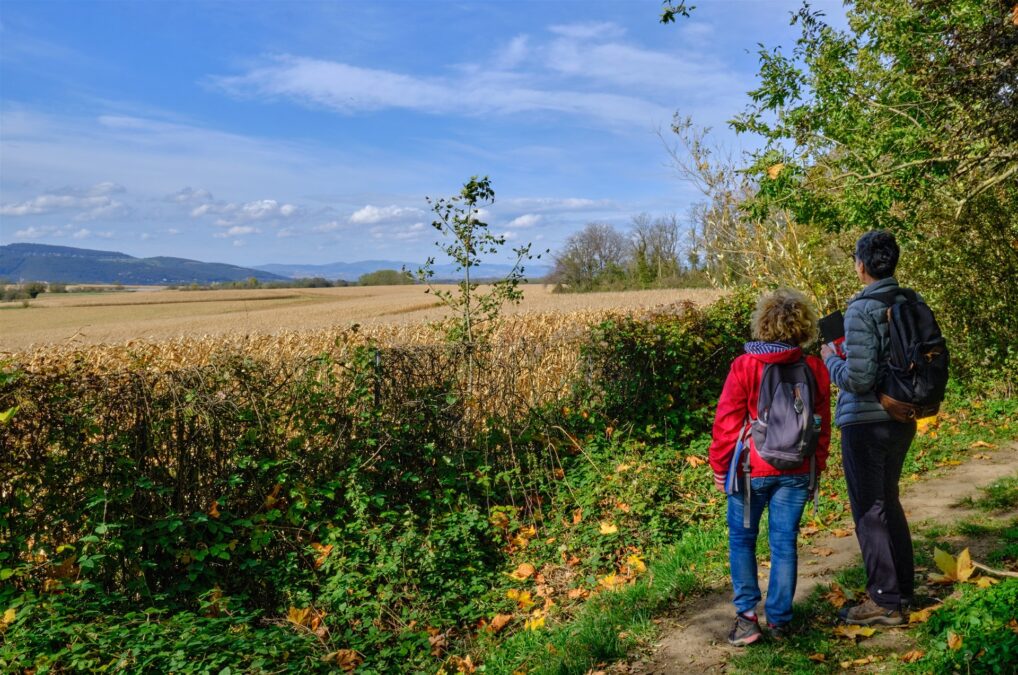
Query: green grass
[
  {"x": 613, "y": 623},
  {"x": 609, "y": 625}
]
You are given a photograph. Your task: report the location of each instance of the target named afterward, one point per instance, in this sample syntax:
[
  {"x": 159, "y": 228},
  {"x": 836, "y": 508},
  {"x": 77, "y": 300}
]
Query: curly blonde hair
[{"x": 784, "y": 315}]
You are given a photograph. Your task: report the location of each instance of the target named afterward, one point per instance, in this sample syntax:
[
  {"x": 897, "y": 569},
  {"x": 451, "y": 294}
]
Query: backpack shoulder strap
[{"x": 764, "y": 399}]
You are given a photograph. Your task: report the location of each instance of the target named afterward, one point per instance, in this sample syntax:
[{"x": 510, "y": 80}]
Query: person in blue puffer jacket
[{"x": 873, "y": 445}]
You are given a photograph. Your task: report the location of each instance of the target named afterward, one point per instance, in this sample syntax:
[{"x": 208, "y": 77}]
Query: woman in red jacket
[{"x": 782, "y": 324}]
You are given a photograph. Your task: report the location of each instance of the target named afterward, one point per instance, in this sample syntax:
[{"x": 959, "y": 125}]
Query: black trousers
[{"x": 872, "y": 455}]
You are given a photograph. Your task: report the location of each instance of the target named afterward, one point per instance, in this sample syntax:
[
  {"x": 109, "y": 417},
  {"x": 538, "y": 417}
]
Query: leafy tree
[
  {"x": 467, "y": 240},
  {"x": 385, "y": 278}
]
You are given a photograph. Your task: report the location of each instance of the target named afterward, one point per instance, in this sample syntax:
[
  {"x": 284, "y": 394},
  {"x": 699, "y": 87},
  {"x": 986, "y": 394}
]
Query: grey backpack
[{"x": 785, "y": 432}]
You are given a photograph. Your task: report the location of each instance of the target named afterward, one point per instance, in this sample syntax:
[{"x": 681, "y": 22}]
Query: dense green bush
[{"x": 385, "y": 278}]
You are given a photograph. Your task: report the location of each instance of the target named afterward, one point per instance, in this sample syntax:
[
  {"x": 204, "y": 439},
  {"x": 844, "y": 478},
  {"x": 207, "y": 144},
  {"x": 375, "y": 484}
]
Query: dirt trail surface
[{"x": 694, "y": 640}]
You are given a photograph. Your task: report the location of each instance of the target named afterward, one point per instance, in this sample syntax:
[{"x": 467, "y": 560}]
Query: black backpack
[
  {"x": 918, "y": 363},
  {"x": 785, "y": 432}
]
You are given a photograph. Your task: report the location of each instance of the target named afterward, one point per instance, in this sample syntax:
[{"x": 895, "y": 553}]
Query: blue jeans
[{"x": 786, "y": 498}]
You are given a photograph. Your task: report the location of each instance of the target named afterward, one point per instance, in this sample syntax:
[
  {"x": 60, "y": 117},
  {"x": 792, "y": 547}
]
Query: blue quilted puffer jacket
[{"x": 867, "y": 347}]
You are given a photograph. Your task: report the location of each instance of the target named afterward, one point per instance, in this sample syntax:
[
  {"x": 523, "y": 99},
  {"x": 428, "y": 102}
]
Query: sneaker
[
  {"x": 745, "y": 632},
  {"x": 868, "y": 613},
  {"x": 779, "y": 631}
]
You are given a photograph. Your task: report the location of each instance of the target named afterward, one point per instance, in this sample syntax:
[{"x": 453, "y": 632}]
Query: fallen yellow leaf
[
  {"x": 838, "y": 532},
  {"x": 499, "y": 622},
  {"x": 945, "y": 561},
  {"x": 522, "y": 598},
  {"x": 922, "y": 615},
  {"x": 608, "y": 528},
  {"x": 818, "y": 657},
  {"x": 982, "y": 444},
  {"x": 695, "y": 461},
  {"x": 524, "y": 571},
  {"x": 912, "y": 656},
  {"x": 535, "y": 622},
  {"x": 822, "y": 551},
  {"x": 985, "y": 582},
  {"x": 836, "y": 596},
  {"x": 347, "y": 659},
  {"x": 963, "y": 566},
  {"x": 622, "y": 468},
  {"x": 854, "y": 632},
  {"x": 636, "y": 564},
  {"x": 8, "y": 618},
  {"x": 954, "y": 641}
]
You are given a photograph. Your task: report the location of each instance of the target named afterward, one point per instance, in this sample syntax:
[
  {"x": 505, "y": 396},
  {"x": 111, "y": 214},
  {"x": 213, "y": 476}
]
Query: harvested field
[{"x": 393, "y": 314}]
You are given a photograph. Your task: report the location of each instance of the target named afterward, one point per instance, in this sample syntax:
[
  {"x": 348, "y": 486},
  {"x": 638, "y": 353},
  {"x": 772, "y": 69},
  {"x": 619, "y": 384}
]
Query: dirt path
[{"x": 693, "y": 641}]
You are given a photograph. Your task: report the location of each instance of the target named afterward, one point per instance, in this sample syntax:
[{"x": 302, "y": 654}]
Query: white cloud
[
  {"x": 524, "y": 221},
  {"x": 588, "y": 30},
  {"x": 33, "y": 232},
  {"x": 238, "y": 230},
  {"x": 233, "y": 213},
  {"x": 513, "y": 54},
  {"x": 81, "y": 234},
  {"x": 348, "y": 89},
  {"x": 90, "y": 203},
  {"x": 330, "y": 226},
  {"x": 189, "y": 195},
  {"x": 559, "y": 204},
  {"x": 379, "y": 214}
]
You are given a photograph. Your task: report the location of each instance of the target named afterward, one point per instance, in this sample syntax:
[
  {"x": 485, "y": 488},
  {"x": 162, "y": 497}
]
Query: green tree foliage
[
  {"x": 467, "y": 241},
  {"x": 385, "y": 278},
  {"x": 907, "y": 120}
]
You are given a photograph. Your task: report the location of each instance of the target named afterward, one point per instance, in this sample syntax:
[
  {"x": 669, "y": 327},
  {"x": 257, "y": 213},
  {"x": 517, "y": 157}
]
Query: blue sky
[{"x": 257, "y": 132}]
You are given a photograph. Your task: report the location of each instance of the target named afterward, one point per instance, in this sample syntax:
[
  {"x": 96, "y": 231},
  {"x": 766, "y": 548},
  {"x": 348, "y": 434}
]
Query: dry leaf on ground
[
  {"x": 608, "y": 528},
  {"x": 822, "y": 551},
  {"x": 854, "y": 632},
  {"x": 347, "y": 659},
  {"x": 499, "y": 622},
  {"x": 912, "y": 656},
  {"x": 524, "y": 571},
  {"x": 954, "y": 641}
]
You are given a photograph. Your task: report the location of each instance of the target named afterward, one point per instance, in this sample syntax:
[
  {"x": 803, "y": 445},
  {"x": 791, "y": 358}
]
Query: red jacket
[{"x": 739, "y": 400}]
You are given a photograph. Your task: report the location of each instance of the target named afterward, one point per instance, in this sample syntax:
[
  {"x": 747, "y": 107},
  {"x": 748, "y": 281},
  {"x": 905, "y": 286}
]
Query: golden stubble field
[{"x": 391, "y": 313}]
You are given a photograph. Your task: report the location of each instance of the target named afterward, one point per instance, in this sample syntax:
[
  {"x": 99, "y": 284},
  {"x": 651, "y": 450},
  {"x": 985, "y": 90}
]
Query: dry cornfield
[{"x": 170, "y": 328}]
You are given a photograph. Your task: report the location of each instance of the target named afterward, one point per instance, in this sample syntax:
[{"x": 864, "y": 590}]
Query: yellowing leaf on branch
[
  {"x": 608, "y": 528},
  {"x": 323, "y": 552},
  {"x": 299, "y": 617},
  {"x": 8, "y": 618},
  {"x": 774, "y": 170}
]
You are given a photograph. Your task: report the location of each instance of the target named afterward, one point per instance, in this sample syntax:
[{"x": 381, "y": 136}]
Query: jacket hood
[
  {"x": 772, "y": 355},
  {"x": 876, "y": 288}
]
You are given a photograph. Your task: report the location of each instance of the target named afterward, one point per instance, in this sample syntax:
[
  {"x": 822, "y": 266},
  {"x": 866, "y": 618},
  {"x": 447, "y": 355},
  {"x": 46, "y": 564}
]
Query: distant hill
[
  {"x": 65, "y": 264},
  {"x": 353, "y": 270}
]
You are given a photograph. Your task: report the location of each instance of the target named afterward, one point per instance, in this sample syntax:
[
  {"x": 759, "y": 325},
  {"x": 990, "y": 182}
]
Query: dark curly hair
[{"x": 878, "y": 251}]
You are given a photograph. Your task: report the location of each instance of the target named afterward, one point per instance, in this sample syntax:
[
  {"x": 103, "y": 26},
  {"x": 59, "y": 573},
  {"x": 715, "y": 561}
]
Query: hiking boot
[
  {"x": 868, "y": 613},
  {"x": 746, "y": 631},
  {"x": 779, "y": 631}
]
